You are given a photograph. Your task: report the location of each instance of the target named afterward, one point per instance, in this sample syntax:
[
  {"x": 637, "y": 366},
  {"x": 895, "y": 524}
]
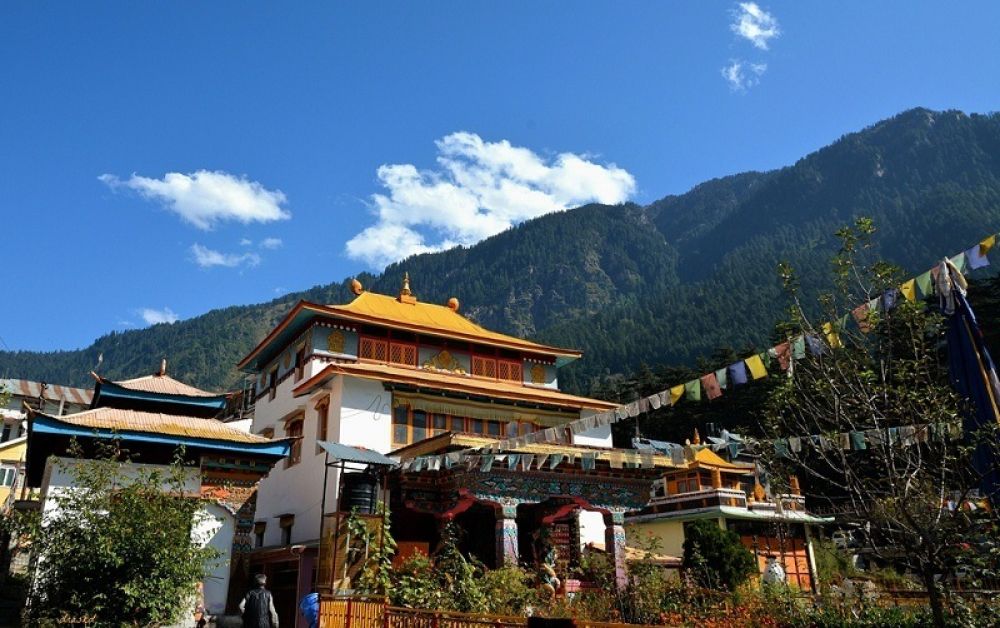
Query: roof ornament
[
  {"x": 356, "y": 287},
  {"x": 405, "y": 294},
  {"x": 697, "y": 437},
  {"x": 453, "y": 304},
  {"x": 163, "y": 367}
]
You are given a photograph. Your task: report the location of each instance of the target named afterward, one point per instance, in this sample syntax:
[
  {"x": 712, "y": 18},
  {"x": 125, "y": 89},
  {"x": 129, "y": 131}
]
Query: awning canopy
[{"x": 346, "y": 453}]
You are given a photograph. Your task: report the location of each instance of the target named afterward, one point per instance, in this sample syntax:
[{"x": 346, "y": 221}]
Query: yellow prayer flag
[
  {"x": 676, "y": 393},
  {"x": 832, "y": 337},
  {"x": 756, "y": 366},
  {"x": 909, "y": 289},
  {"x": 987, "y": 244}
]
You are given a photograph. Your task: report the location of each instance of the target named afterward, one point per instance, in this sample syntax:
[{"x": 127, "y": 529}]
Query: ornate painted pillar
[
  {"x": 614, "y": 543},
  {"x": 506, "y": 534}
]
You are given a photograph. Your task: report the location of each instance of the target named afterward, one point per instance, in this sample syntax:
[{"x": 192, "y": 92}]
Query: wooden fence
[
  {"x": 361, "y": 612},
  {"x": 375, "y": 612}
]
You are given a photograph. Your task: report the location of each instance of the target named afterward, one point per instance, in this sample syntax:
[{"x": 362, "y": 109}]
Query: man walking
[{"x": 257, "y": 606}]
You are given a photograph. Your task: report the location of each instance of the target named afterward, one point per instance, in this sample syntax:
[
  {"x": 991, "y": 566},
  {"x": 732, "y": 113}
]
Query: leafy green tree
[
  {"x": 118, "y": 550},
  {"x": 715, "y": 558},
  {"x": 891, "y": 385}
]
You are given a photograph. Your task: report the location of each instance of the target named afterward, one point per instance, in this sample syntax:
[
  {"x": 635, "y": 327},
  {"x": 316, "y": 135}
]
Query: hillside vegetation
[{"x": 665, "y": 283}]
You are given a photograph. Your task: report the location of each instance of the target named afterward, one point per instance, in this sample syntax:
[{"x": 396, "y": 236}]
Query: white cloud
[
  {"x": 206, "y": 258},
  {"x": 246, "y": 242},
  {"x": 271, "y": 243},
  {"x": 205, "y": 198},
  {"x": 741, "y": 75},
  {"x": 755, "y": 24},
  {"x": 154, "y": 317},
  {"x": 479, "y": 189}
]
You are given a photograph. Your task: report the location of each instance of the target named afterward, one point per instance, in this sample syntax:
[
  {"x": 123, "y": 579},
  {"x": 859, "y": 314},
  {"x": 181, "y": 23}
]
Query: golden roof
[
  {"x": 434, "y": 319},
  {"x": 157, "y": 423},
  {"x": 163, "y": 384},
  {"x": 450, "y": 382},
  {"x": 705, "y": 457}
]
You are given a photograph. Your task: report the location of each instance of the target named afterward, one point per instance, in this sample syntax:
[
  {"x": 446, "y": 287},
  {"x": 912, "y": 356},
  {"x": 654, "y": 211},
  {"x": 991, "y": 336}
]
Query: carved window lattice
[
  {"x": 510, "y": 371},
  {"x": 484, "y": 367},
  {"x": 372, "y": 349},
  {"x": 400, "y": 353}
]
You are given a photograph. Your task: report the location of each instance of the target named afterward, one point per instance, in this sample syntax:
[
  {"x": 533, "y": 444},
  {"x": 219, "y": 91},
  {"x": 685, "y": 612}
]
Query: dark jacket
[{"x": 258, "y": 611}]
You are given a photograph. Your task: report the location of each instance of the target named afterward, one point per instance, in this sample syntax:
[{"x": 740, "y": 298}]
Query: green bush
[{"x": 714, "y": 557}]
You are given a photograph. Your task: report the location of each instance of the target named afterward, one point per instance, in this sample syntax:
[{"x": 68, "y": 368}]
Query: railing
[
  {"x": 719, "y": 494},
  {"x": 373, "y": 612},
  {"x": 352, "y": 612}
]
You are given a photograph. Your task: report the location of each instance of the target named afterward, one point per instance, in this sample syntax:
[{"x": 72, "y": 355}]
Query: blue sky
[{"x": 158, "y": 160}]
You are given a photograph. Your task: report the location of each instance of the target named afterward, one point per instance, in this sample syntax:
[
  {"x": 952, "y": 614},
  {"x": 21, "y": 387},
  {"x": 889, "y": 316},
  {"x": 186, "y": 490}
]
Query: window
[
  {"x": 419, "y": 426},
  {"x": 5, "y": 436},
  {"x": 410, "y": 426},
  {"x": 272, "y": 383},
  {"x": 259, "y": 527},
  {"x": 286, "y": 522},
  {"x": 373, "y": 349},
  {"x": 293, "y": 429},
  {"x": 403, "y": 353},
  {"x": 322, "y": 420},
  {"x": 7, "y": 476},
  {"x": 519, "y": 428},
  {"x": 401, "y": 425},
  {"x": 300, "y": 362},
  {"x": 484, "y": 367},
  {"x": 509, "y": 370},
  {"x": 440, "y": 423}
]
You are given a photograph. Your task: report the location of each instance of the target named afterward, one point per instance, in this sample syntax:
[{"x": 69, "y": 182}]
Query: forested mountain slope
[{"x": 664, "y": 283}]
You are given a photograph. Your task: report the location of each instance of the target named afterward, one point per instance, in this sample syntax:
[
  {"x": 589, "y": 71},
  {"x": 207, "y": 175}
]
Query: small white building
[{"x": 146, "y": 416}]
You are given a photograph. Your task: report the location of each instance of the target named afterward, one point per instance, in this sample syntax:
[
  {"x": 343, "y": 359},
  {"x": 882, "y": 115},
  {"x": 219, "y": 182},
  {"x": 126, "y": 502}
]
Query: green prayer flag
[
  {"x": 960, "y": 262},
  {"x": 692, "y": 390},
  {"x": 765, "y": 357},
  {"x": 799, "y": 348},
  {"x": 858, "y": 441},
  {"x": 926, "y": 284}
]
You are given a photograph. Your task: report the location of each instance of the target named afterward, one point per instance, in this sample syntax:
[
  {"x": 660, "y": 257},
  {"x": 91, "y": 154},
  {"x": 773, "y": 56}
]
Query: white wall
[
  {"x": 597, "y": 437},
  {"x": 214, "y": 526},
  {"x": 591, "y": 528},
  {"x": 360, "y": 414}
]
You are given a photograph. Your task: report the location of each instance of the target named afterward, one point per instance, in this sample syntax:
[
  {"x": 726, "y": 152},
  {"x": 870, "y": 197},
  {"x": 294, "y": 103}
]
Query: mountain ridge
[{"x": 631, "y": 284}]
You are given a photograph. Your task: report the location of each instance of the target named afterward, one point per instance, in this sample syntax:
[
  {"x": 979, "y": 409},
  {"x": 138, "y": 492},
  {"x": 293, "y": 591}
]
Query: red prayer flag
[
  {"x": 711, "y": 386},
  {"x": 784, "y": 354},
  {"x": 861, "y": 314}
]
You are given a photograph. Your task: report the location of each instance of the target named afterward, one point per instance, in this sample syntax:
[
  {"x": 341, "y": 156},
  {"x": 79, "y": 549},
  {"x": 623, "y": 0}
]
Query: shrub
[{"x": 714, "y": 557}]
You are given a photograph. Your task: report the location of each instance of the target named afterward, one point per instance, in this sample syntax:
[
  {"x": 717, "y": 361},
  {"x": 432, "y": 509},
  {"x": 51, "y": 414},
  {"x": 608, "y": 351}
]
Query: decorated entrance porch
[{"x": 535, "y": 506}]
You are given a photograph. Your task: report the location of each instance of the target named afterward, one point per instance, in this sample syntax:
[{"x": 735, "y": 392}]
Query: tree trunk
[{"x": 934, "y": 597}]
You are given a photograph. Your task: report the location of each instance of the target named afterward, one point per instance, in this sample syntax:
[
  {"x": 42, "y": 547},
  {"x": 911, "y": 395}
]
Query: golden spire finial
[
  {"x": 697, "y": 437},
  {"x": 405, "y": 294}
]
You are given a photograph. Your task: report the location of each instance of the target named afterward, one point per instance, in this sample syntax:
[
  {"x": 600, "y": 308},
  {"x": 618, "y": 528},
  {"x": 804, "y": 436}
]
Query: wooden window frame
[
  {"x": 300, "y": 362},
  {"x": 272, "y": 383},
  {"x": 468, "y": 425},
  {"x": 515, "y": 370},
  {"x": 295, "y": 451},
  {"x": 259, "y": 530},
  {"x": 322, "y": 422},
  {"x": 287, "y": 522},
  {"x": 373, "y": 343}
]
